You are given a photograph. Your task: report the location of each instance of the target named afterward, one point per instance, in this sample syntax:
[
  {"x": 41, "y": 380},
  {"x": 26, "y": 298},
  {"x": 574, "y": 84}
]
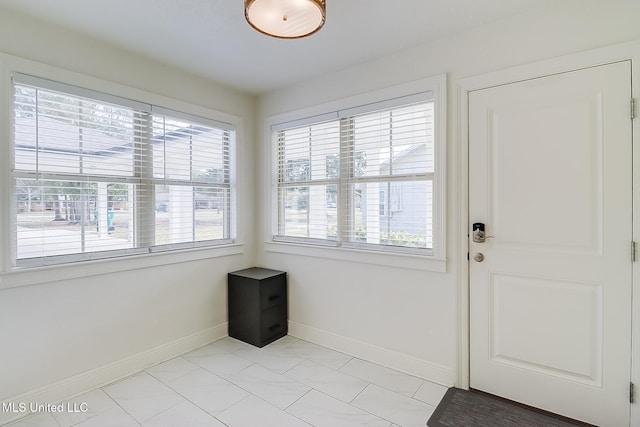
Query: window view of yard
[
  {"x": 400, "y": 222},
  {"x": 371, "y": 173},
  {"x": 94, "y": 176},
  {"x": 60, "y": 225}
]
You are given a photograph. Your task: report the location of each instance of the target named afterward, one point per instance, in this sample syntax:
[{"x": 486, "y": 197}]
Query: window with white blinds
[
  {"x": 362, "y": 177},
  {"x": 99, "y": 176}
]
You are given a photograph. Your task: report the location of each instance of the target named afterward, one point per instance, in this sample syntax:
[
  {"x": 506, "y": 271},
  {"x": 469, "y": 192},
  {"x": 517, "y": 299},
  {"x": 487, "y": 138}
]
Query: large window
[
  {"x": 360, "y": 178},
  {"x": 99, "y": 176}
]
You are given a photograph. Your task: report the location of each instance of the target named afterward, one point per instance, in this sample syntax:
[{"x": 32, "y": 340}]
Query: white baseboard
[
  {"x": 104, "y": 375},
  {"x": 372, "y": 353}
]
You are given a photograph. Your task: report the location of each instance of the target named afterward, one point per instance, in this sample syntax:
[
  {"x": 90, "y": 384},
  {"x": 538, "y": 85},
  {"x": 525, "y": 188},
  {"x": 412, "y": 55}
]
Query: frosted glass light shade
[{"x": 287, "y": 19}]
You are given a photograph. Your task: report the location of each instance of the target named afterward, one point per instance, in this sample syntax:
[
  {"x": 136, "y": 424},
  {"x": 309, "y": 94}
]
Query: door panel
[
  {"x": 517, "y": 301},
  {"x": 572, "y": 212},
  {"x": 550, "y": 305}
]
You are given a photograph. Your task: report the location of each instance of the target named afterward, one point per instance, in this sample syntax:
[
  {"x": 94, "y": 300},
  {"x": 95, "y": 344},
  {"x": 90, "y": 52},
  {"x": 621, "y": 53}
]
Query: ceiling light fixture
[{"x": 285, "y": 19}]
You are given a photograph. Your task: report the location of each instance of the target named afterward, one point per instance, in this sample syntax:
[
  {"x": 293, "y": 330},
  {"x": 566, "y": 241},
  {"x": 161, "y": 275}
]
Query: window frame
[
  {"x": 226, "y": 186},
  {"x": 10, "y": 275},
  {"x": 421, "y": 259},
  {"x": 283, "y": 183}
]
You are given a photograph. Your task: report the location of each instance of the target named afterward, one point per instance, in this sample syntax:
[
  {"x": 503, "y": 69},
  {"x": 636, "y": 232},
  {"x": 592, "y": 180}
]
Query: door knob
[{"x": 479, "y": 257}]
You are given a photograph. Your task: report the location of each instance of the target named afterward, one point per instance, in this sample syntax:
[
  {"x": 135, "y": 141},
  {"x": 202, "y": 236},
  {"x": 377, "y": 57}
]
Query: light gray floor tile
[
  {"x": 182, "y": 415},
  {"x": 316, "y": 353},
  {"x": 225, "y": 345},
  {"x": 223, "y": 364},
  {"x": 36, "y": 420},
  {"x": 383, "y": 376},
  {"x": 321, "y": 410},
  {"x": 172, "y": 369},
  {"x": 430, "y": 393},
  {"x": 393, "y": 407},
  {"x": 114, "y": 417},
  {"x": 143, "y": 396},
  {"x": 95, "y": 402},
  {"x": 290, "y": 382},
  {"x": 270, "y": 386},
  {"x": 254, "y": 412},
  {"x": 286, "y": 338},
  {"x": 207, "y": 390},
  {"x": 272, "y": 358},
  {"x": 327, "y": 380}
]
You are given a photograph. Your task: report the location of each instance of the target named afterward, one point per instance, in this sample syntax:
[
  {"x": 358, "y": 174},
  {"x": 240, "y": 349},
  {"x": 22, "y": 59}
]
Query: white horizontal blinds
[
  {"x": 365, "y": 178},
  {"x": 192, "y": 177},
  {"x": 75, "y": 162},
  {"x": 99, "y": 176},
  {"x": 59, "y": 133},
  {"x": 389, "y": 184},
  {"x": 308, "y": 161}
]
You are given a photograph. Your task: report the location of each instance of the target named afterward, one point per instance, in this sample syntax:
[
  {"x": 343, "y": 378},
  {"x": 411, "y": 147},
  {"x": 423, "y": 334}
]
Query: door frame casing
[{"x": 621, "y": 52}]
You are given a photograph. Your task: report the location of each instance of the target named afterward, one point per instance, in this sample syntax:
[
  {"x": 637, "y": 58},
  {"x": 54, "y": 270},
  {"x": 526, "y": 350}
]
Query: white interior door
[{"x": 550, "y": 175}]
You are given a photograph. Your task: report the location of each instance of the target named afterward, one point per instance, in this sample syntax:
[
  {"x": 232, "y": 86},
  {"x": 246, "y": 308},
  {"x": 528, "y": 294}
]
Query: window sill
[
  {"x": 38, "y": 275},
  {"x": 391, "y": 259}
]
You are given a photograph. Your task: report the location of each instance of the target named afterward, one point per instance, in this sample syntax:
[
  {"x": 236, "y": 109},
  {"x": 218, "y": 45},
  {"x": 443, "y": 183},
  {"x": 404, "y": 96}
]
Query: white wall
[
  {"x": 401, "y": 317},
  {"x": 62, "y": 333}
]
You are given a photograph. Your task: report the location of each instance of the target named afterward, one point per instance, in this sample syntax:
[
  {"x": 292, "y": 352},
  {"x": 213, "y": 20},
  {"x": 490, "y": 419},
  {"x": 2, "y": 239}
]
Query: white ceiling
[{"x": 212, "y": 39}]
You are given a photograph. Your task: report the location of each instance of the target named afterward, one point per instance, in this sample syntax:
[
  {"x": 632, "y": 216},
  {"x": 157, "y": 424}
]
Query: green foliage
[
  {"x": 403, "y": 238},
  {"x": 210, "y": 176},
  {"x": 298, "y": 170},
  {"x": 118, "y": 192},
  {"x": 394, "y": 238},
  {"x": 333, "y": 166}
]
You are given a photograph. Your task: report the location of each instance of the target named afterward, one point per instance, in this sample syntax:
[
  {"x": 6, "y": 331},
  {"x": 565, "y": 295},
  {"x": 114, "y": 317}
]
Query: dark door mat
[{"x": 461, "y": 408}]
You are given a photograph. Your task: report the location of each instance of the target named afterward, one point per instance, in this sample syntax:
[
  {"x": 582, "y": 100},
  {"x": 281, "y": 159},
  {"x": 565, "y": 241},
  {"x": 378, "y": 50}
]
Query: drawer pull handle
[
  {"x": 274, "y": 297},
  {"x": 274, "y": 327}
]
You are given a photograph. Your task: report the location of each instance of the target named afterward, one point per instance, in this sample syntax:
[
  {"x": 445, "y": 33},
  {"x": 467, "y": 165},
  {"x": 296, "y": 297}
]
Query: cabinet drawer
[
  {"x": 273, "y": 292},
  {"x": 274, "y": 323}
]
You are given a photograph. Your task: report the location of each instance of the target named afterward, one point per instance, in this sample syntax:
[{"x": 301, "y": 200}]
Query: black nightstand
[{"x": 257, "y": 304}]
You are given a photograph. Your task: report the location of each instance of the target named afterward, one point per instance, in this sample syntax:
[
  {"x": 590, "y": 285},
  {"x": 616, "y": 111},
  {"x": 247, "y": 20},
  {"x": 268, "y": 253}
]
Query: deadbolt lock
[{"x": 478, "y": 232}]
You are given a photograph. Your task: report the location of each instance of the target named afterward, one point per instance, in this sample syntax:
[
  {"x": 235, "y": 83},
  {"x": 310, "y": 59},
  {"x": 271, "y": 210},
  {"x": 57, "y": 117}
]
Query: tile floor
[{"x": 290, "y": 382}]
